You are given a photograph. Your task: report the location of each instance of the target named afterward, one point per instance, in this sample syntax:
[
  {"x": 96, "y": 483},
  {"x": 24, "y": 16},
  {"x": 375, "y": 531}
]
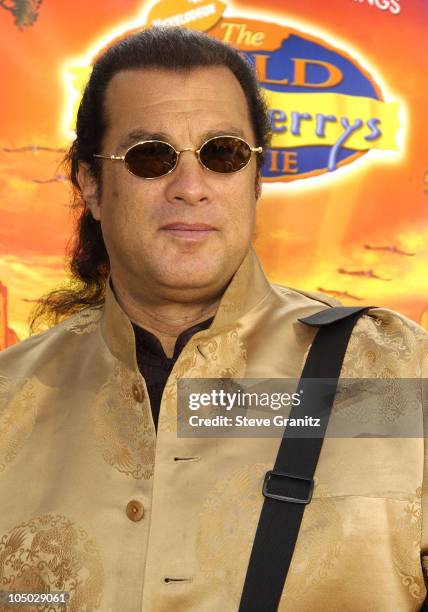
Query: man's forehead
[
  {"x": 149, "y": 103},
  {"x": 203, "y": 79}
]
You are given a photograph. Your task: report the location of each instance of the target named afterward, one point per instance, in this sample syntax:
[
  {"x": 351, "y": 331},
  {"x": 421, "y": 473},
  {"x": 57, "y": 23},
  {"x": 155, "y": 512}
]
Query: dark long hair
[{"x": 168, "y": 48}]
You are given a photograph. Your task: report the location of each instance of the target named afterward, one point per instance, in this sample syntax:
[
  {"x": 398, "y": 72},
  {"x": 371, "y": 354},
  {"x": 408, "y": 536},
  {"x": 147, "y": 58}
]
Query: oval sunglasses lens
[
  {"x": 150, "y": 159},
  {"x": 225, "y": 154}
]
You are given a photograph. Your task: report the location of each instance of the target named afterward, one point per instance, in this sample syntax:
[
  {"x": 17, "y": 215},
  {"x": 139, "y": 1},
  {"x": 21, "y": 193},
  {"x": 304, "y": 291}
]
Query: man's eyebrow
[
  {"x": 138, "y": 135},
  {"x": 227, "y": 131}
]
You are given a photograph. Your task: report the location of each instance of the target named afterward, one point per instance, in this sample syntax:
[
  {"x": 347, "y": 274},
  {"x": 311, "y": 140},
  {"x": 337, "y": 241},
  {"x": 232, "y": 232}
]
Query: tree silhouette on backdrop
[{"x": 25, "y": 12}]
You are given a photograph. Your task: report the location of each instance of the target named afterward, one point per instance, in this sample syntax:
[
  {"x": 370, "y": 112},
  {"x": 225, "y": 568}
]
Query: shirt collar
[
  {"x": 247, "y": 288},
  {"x": 150, "y": 350}
]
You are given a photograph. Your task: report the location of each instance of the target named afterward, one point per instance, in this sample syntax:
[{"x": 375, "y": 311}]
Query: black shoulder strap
[{"x": 288, "y": 487}]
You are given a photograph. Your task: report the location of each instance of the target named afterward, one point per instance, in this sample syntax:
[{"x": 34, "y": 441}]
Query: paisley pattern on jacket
[
  {"x": 51, "y": 553},
  {"x": 384, "y": 346},
  {"x": 408, "y": 565},
  {"x": 122, "y": 426},
  {"x": 221, "y": 357},
  {"x": 233, "y": 508},
  {"x": 84, "y": 322},
  {"x": 17, "y": 423}
]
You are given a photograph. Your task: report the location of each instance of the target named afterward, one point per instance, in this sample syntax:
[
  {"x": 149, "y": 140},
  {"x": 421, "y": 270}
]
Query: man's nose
[{"x": 188, "y": 182}]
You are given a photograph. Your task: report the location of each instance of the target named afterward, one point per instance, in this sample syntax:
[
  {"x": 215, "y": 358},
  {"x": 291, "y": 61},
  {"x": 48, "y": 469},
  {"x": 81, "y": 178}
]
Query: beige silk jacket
[{"x": 93, "y": 503}]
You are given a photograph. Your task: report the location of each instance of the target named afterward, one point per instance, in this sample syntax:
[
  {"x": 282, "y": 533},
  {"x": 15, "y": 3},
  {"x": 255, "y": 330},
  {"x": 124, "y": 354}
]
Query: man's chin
[
  {"x": 191, "y": 281},
  {"x": 187, "y": 237},
  {"x": 182, "y": 243}
]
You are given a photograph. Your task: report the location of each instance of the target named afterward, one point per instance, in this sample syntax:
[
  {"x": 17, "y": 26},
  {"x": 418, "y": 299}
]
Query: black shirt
[{"x": 154, "y": 365}]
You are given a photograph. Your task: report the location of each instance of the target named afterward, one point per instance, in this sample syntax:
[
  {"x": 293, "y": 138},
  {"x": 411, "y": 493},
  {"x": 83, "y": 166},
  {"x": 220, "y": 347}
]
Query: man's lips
[
  {"x": 190, "y": 231},
  {"x": 188, "y": 226}
]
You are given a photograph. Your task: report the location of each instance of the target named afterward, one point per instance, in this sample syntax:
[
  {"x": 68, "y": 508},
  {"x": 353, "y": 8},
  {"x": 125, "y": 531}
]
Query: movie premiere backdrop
[{"x": 344, "y": 208}]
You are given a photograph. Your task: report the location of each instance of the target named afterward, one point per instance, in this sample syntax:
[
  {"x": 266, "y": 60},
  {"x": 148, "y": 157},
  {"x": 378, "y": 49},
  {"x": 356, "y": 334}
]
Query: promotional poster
[{"x": 344, "y": 203}]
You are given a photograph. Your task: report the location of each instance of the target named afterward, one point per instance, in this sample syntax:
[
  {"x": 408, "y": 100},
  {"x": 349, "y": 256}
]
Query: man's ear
[
  {"x": 89, "y": 188},
  {"x": 258, "y": 186}
]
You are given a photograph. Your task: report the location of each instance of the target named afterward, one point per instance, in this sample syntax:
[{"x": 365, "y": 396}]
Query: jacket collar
[{"x": 247, "y": 288}]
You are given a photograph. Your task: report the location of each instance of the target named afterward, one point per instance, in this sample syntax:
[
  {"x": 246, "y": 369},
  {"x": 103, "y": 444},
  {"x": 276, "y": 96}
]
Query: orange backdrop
[{"x": 311, "y": 234}]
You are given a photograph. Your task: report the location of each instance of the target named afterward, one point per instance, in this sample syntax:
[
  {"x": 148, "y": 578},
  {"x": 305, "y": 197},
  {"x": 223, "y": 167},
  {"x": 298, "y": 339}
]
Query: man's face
[{"x": 136, "y": 214}]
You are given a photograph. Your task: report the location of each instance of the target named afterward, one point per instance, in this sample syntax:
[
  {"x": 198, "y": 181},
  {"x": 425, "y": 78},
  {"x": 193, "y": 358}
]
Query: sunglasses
[{"x": 152, "y": 159}]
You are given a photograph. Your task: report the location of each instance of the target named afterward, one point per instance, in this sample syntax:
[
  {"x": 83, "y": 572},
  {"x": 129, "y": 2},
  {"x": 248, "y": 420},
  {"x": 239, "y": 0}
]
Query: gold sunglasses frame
[{"x": 178, "y": 153}]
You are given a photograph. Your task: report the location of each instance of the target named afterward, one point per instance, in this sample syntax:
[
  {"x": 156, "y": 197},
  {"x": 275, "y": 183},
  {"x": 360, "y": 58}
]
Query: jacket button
[
  {"x": 135, "y": 510},
  {"x": 137, "y": 392}
]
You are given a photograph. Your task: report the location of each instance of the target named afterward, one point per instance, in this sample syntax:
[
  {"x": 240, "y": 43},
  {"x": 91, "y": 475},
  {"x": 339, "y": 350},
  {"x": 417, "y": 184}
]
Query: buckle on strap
[{"x": 305, "y": 499}]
